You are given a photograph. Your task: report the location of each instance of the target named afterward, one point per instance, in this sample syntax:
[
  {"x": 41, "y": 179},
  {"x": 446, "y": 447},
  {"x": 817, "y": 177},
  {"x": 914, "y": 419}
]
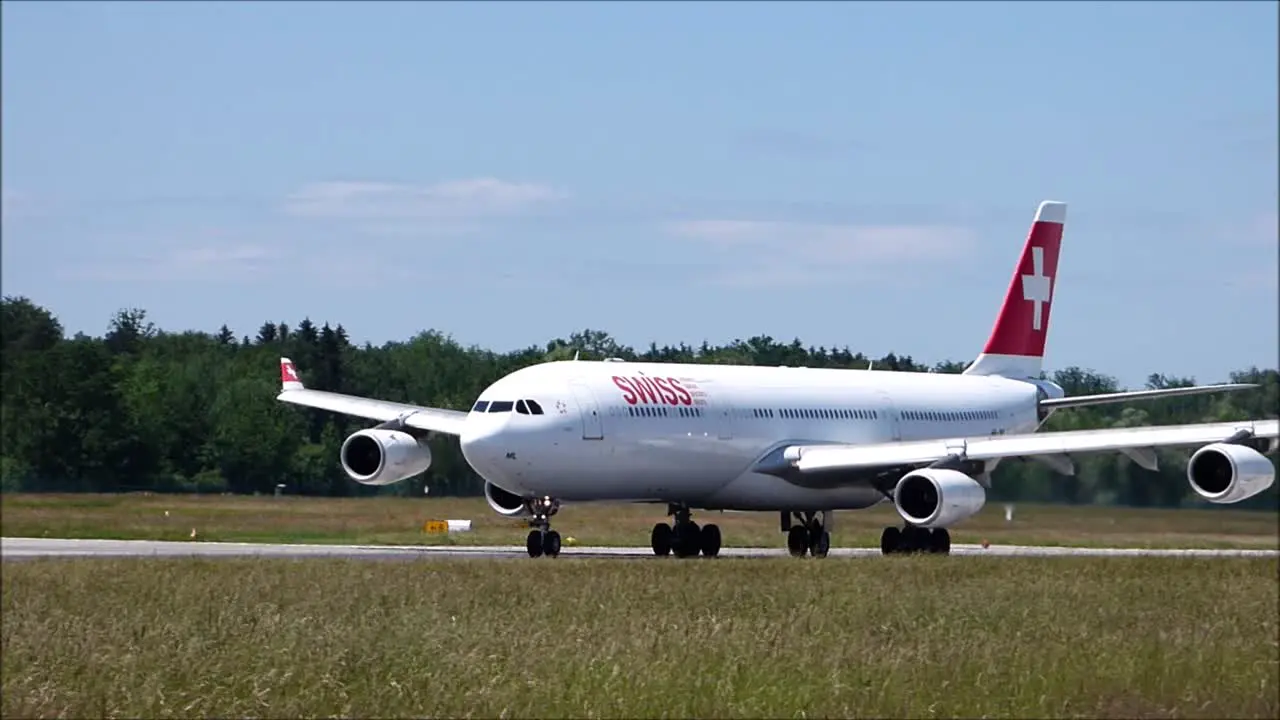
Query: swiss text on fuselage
[{"x": 644, "y": 390}]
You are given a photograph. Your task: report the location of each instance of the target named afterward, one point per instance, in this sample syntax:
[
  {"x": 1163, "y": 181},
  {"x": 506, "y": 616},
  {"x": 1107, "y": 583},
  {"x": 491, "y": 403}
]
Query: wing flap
[{"x": 819, "y": 458}]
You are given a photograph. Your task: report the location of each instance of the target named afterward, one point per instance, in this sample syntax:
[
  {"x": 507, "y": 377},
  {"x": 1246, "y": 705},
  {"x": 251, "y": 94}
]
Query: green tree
[{"x": 144, "y": 409}]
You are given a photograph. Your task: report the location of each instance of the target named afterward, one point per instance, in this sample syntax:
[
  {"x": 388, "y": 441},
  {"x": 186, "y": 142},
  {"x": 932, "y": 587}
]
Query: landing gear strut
[
  {"x": 811, "y": 536},
  {"x": 683, "y": 537},
  {"x": 912, "y": 539},
  {"x": 542, "y": 539}
]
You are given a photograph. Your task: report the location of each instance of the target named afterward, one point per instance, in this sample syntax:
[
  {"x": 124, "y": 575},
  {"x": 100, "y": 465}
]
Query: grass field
[
  {"x": 906, "y": 637},
  {"x": 400, "y": 521}
]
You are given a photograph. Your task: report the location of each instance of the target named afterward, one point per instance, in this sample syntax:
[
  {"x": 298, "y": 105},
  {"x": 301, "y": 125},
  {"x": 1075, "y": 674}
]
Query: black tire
[
  {"x": 551, "y": 543},
  {"x": 890, "y": 541},
  {"x": 533, "y": 543},
  {"x": 798, "y": 540},
  {"x": 821, "y": 544},
  {"x": 661, "y": 539},
  {"x": 688, "y": 540},
  {"x": 940, "y": 541},
  {"x": 915, "y": 539},
  {"x": 710, "y": 540}
]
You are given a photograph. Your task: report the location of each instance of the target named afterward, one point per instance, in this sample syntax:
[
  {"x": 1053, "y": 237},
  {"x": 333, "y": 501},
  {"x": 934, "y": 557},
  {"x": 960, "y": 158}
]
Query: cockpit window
[
  {"x": 480, "y": 406},
  {"x": 522, "y": 408},
  {"x": 534, "y": 407},
  {"x": 500, "y": 406}
]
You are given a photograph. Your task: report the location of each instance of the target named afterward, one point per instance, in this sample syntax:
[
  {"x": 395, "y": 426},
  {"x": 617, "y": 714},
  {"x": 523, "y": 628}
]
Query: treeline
[{"x": 144, "y": 409}]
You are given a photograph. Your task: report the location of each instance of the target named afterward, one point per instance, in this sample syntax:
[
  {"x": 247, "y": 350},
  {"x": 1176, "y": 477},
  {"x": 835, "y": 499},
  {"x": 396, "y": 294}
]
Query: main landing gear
[
  {"x": 542, "y": 539},
  {"x": 912, "y": 539},
  {"x": 811, "y": 536},
  {"x": 684, "y": 538}
]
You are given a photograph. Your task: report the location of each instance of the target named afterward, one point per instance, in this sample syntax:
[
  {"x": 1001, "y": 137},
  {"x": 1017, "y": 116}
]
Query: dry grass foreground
[
  {"x": 902, "y": 637},
  {"x": 390, "y": 520}
]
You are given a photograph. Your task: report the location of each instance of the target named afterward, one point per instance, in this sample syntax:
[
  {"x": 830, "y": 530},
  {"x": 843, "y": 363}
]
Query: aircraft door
[
  {"x": 720, "y": 413},
  {"x": 589, "y": 409},
  {"x": 725, "y": 422},
  {"x": 893, "y": 420}
]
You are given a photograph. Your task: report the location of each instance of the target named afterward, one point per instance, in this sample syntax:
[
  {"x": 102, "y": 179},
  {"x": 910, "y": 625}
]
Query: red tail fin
[
  {"x": 1017, "y": 342},
  {"x": 289, "y": 379}
]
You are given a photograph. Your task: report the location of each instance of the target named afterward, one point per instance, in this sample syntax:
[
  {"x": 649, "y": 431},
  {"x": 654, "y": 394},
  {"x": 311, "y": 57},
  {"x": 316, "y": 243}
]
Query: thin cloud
[
  {"x": 452, "y": 200},
  {"x": 234, "y": 262},
  {"x": 784, "y": 253}
]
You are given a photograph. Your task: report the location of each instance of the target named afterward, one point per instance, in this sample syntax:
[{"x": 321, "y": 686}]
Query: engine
[
  {"x": 934, "y": 497},
  {"x": 1227, "y": 473},
  {"x": 383, "y": 457},
  {"x": 503, "y": 502}
]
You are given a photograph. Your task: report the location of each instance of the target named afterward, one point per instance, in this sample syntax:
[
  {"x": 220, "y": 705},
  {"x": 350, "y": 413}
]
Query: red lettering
[
  {"x": 645, "y": 388},
  {"x": 628, "y": 393},
  {"x": 685, "y": 397},
  {"x": 667, "y": 395}
]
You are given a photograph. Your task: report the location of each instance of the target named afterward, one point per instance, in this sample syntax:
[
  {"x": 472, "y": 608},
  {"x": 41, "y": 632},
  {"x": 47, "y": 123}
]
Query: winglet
[{"x": 289, "y": 379}]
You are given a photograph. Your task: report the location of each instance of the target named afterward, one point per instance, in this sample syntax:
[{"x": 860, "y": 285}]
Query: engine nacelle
[
  {"x": 934, "y": 497},
  {"x": 503, "y": 502},
  {"x": 383, "y": 457},
  {"x": 1226, "y": 473}
]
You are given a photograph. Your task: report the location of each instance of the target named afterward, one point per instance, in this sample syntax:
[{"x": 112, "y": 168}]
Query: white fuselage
[{"x": 693, "y": 434}]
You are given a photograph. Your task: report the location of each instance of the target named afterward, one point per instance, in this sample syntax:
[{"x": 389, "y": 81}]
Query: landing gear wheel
[
  {"x": 940, "y": 541},
  {"x": 808, "y": 532},
  {"x": 551, "y": 543},
  {"x": 688, "y": 539},
  {"x": 797, "y": 540},
  {"x": 821, "y": 544},
  {"x": 542, "y": 540},
  {"x": 890, "y": 540},
  {"x": 533, "y": 543},
  {"x": 661, "y": 539},
  {"x": 915, "y": 539},
  {"x": 709, "y": 539}
]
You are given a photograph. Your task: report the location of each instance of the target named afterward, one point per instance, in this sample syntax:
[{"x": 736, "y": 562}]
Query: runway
[{"x": 25, "y": 548}]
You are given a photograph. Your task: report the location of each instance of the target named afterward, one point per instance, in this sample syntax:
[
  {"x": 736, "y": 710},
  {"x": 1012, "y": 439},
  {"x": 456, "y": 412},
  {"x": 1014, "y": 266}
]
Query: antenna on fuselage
[
  {"x": 871, "y": 364},
  {"x": 575, "y": 355}
]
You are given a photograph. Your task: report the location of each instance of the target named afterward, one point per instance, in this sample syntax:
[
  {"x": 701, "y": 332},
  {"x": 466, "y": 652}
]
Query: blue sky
[{"x": 849, "y": 173}]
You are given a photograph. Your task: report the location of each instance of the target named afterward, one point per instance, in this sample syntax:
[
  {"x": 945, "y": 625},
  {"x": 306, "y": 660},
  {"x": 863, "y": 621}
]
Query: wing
[
  {"x": 440, "y": 420},
  {"x": 807, "y": 459}
]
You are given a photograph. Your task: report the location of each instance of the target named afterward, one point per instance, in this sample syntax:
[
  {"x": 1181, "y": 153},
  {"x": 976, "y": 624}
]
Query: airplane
[{"x": 802, "y": 442}]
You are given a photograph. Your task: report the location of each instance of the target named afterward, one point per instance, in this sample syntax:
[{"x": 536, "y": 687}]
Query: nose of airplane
[{"x": 480, "y": 446}]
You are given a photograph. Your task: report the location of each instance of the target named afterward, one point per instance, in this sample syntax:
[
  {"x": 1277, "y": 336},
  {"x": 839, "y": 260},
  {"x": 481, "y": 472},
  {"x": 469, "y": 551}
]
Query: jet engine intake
[
  {"x": 1226, "y": 473},
  {"x": 382, "y": 457},
  {"x": 934, "y": 497},
  {"x": 503, "y": 502}
]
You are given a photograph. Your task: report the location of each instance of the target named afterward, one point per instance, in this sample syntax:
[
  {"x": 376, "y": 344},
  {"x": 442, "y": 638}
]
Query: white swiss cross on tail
[
  {"x": 1037, "y": 287},
  {"x": 1016, "y": 345}
]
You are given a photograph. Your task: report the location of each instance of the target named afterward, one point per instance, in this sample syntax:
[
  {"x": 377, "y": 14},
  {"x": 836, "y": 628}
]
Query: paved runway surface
[{"x": 14, "y": 548}]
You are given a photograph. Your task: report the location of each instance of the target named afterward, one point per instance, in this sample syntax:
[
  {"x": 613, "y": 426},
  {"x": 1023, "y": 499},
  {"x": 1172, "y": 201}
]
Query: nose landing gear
[{"x": 542, "y": 540}]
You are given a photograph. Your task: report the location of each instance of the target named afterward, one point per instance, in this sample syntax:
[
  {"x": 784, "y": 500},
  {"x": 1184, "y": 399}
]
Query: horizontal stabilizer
[{"x": 1109, "y": 398}]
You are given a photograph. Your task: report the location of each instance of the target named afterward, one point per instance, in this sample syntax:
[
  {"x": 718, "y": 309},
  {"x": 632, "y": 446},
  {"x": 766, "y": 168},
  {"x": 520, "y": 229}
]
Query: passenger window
[
  {"x": 500, "y": 406},
  {"x": 534, "y": 407},
  {"x": 480, "y": 406}
]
